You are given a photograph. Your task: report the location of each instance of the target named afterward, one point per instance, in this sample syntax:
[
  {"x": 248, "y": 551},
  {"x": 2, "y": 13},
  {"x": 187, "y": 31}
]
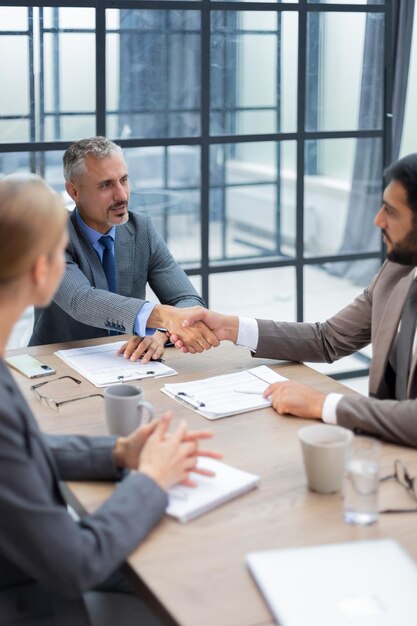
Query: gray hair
[{"x": 74, "y": 156}]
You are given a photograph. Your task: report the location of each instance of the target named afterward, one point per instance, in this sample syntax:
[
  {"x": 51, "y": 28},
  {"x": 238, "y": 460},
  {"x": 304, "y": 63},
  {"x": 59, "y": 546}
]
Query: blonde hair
[{"x": 32, "y": 222}]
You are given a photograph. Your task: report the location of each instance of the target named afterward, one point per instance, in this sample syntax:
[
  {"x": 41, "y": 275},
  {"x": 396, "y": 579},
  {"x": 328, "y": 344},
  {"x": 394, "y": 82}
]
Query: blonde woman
[{"x": 48, "y": 562}]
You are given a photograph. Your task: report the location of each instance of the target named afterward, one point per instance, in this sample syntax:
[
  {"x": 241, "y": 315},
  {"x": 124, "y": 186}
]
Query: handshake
[{"x": 194, "y": 329}]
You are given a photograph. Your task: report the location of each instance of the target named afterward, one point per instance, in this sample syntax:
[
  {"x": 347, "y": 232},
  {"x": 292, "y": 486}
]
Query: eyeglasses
[
  {"x": 402, "y": 476},
  {"x": 53, "y": 404}
]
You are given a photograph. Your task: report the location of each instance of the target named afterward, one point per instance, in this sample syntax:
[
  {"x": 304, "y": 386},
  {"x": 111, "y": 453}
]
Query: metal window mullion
[
  {"x": 41, "y": 76},
  {"x": 100, "y": 69},
  {"x": 277, "y": 143},
  {"x": 301, "y": 107},
  {"x": 31, "y": 71},
  {"x": 205, "y": 148},
  {"x": 56, "y": 72},
  {"x": 388, "y": 85},
  {"x": 165, "y": 71}
]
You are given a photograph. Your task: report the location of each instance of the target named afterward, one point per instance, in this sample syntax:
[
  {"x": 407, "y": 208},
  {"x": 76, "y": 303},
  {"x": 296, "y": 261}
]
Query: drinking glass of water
[{"x": 362, "y": 481}]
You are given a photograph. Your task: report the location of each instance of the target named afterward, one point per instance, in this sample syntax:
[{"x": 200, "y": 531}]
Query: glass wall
[
  {"x": 409, "y": 136},
  {"x": 245, "y": 130}
]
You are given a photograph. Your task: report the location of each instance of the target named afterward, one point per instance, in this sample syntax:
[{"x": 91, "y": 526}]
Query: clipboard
[{"x": 229, "y": 394}]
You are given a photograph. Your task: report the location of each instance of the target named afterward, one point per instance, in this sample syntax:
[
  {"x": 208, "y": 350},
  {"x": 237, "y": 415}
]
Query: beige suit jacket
[{"x": 373, "y": 317}]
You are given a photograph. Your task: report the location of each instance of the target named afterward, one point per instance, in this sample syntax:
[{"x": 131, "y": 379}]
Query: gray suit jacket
[
  {"x": 83, "y": 308},
  {"x": 373, "y": 317},
  {"x": 47, "y": 560}
]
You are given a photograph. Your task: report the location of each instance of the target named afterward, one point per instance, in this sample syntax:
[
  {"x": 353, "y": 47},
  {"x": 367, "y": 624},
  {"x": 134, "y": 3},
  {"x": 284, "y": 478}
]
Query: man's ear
[{"x": 72, "y": 190}]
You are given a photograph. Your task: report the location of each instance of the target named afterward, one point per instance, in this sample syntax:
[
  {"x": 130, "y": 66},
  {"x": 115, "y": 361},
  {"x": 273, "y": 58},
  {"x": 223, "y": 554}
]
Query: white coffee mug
[
  {"x": 324, "y": 447},
  {"x": 125, "y": 407}
]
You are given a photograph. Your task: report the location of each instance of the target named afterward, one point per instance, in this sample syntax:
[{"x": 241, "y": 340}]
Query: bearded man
[{"x": 384, "y": 314}]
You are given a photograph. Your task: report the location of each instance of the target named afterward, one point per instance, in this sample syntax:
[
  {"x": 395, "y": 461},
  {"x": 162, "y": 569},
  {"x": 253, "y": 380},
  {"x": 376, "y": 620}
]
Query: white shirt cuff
[
  {"x": 248, "y": 333},
  {"x": 330, "y": 403}
]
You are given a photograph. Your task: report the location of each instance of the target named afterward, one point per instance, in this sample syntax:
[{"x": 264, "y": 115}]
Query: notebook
[
  {"x": 362, "y": 583},
  {"x": 186, "y": 503},
  {"x": 229, "y": 394},
  {"x": 102, "y": 366}
]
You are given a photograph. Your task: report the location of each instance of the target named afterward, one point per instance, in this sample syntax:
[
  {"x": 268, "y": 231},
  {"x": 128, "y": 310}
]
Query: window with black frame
[{"x": 255, "y": 136}]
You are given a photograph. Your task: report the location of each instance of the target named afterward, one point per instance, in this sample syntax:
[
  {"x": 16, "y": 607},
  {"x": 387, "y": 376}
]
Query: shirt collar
[{"x": 89, "y": 233}]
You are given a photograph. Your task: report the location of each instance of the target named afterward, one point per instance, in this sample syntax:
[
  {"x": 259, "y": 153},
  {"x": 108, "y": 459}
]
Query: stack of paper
[
  {"x": 102, "y": 366},
  {"x": 229, "y": 394},
  {"x": 185, "y": 503}
]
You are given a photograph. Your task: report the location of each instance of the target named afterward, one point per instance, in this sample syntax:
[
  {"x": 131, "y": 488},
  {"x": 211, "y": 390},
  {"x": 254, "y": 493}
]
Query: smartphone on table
[{"x": 29, "y": 366}]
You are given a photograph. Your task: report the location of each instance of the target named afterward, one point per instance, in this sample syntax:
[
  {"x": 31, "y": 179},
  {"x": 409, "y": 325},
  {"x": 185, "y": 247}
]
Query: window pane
[
  {"x": 409, "y": 133},
  {"x": 194, "y": 280},
  {"x": 341, "y": 196},
  {"x": 69, "y": 60},
  {"x": 14, "y": 130},
  {"x": 253, "y": 77},
  {"x": 252, "y": 200},
  {"x": 63, "y": 103},
  {"x": 153, "y": 77},
  {"x": 68, "y": 18},
  {"x": 327, "y": 290},
  {"x": 265, "y": 294},
  {"x": 13, "y": 18},
  {"x": 11, "y": 162},
  {"x": 14, "y": 102},
  {"x": 165, "y": 184},
  {"x": 46, "y": 164},
  {"x": 345, "y": 55},
  {"x": 53, "y": 172},
  {"x": 69, "y": 127}
]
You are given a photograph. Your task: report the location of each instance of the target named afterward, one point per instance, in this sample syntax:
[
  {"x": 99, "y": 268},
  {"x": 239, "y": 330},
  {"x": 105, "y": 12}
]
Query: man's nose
[
  {"x": 379, "y": 218},
  {"x": 120, "y": 193}
]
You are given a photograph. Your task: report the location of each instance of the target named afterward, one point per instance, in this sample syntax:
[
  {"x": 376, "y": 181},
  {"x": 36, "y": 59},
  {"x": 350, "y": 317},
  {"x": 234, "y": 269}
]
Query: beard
[
  {"x": 405, "y": 251},
  {"x": 112, "y": 214}
]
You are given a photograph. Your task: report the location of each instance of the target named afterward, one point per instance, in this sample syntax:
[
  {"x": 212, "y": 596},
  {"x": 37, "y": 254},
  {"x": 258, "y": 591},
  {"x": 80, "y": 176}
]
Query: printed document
[
  {"x": 225, "y": 395},
  {"x": 102, "y": 366}
]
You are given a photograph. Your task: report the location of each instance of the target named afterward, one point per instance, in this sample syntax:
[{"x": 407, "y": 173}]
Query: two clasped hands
[
  {"x": 166, "y": 457},
  {"x": 196, "y": 329}
]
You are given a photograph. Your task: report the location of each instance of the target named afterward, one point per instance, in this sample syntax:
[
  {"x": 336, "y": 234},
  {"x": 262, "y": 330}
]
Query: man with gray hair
[{"x": 111, "y": 255}]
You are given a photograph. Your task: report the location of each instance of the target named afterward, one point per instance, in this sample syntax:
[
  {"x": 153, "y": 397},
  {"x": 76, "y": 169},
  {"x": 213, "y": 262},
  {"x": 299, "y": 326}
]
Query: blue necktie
[{"x": 108, "y": 262}]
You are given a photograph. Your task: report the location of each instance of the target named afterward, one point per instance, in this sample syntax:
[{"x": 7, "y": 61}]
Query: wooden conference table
[{"x": 196, "y": 572}]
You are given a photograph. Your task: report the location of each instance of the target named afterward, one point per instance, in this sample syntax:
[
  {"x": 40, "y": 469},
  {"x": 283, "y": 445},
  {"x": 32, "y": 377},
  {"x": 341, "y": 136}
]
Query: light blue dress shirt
[{"x": 93, "y": 236}]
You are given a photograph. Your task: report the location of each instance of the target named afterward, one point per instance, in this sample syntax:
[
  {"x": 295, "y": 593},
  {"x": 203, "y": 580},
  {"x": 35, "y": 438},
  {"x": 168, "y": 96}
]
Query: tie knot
[{"x": 106, "y": 242}]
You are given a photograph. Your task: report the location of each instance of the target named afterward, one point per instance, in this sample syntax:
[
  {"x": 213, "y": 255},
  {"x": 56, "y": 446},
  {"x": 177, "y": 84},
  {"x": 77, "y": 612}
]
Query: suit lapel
[
  {"x": 387, "y": 329},
  {"x": 413, "y": 367}
]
